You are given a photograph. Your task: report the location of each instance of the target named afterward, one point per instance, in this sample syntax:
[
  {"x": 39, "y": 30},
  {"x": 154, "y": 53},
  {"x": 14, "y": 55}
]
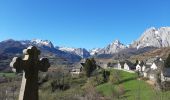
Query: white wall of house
[
  {"x": 119, "y": 66},
  {"x": 138, "y": 67},
  {"x": 105, "y": 66},
  {"x": 145, "y": 74},
  {"x": 126, "y": 67},
  {"x": 143, "y": 68},
  {"x": 75, "y": 73},
  {"x": 154, "y": 66}
]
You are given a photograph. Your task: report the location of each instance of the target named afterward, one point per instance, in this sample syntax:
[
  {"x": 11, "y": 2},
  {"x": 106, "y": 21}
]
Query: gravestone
[{"x": 30, "y": 65}]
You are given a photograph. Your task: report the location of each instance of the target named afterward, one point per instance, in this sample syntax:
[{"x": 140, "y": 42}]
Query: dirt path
[{"x": 150, "y": 82}]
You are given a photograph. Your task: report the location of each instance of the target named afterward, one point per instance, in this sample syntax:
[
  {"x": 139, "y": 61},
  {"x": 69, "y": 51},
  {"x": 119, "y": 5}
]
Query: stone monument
[{"x": 30, "y": 65}]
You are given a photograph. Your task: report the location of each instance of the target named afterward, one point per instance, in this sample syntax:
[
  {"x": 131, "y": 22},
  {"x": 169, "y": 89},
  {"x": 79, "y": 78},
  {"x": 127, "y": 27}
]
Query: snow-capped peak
[
  {"x": 68, "y": 49},
  {"x": 116, "y": 42},
  {"x": 78, "y": 51},
  {"x": 94, "y": 51},
  {"x": 42, "y": 42}
]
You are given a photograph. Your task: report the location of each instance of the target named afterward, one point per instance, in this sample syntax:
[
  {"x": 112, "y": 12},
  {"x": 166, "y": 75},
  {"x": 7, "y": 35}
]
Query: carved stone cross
[{"x": 30, "y": 64}]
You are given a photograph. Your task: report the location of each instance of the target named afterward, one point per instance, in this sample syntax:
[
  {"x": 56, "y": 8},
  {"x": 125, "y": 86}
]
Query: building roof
[
  {"x": 141, "y": 63},
  {"x": 121, "y": 63},
  {"x": 159, "y": 65},
  {"x": 147, "y": 70},
  {"x": 151, "y": 60},
  {"x": 147, "y": 66},
  {"x": 166, "y": 72},
  {"x": 152, "y": 71},
  {"x": 130, "y": 64}
]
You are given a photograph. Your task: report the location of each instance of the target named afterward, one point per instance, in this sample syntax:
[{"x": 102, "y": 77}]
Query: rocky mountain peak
[
  {"x": 42, "y": 43},
  {"x": 116, "y": 42},
  {"x": 154, "y": 37},
  {"x": 112, "y": 48},
  {"x": 94, "y": 51},
  {"x": 83, "y": 53}
]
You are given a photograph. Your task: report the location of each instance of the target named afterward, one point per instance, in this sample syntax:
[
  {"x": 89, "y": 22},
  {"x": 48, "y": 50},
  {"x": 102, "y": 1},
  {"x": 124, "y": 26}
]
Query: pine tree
[
  {"x": 89, "y": 66},
  {"x": 136, "y": 63}
]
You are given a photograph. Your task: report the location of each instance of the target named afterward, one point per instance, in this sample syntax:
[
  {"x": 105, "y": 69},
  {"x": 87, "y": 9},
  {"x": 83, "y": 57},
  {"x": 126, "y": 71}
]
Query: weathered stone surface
[{"x": 30, "y": 64}]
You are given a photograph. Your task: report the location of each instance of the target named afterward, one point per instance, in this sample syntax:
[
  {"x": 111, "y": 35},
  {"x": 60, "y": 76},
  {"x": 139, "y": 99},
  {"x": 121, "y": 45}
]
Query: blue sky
[{"x": 81, "y": 23}]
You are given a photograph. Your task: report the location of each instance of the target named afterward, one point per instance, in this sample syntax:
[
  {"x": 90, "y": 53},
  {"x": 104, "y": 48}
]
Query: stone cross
[{"x": 30, "y": 65}]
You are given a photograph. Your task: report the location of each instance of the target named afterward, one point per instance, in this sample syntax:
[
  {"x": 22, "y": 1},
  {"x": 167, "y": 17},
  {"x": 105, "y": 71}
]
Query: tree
[
  {"x": 106, "y": 75},
  {"x": 167, "y": 62},
  {"x": 89, "y": 66},
  {"x": 136, "y": 63},
  {"x": 109, "y": 64}
]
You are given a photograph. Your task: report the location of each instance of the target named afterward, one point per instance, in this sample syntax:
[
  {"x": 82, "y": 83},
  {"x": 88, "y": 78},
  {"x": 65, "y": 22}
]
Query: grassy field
[
  {"x": 7, "y": 74},
  {"x": 134, "y": 89}
]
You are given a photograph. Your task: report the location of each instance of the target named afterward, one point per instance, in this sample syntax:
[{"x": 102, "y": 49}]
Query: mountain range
[{"x": 151, "y": 39}]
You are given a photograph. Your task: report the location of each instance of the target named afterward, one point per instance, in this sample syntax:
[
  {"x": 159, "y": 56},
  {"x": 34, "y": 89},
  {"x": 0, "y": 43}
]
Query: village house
[
  {"x": 112, "y": 65},
  {"x": 129, "y": 65},
  {"x": 154, "y": 66},
  {"x": 151, "y": 60},
  {"x": 139, "y": 66},
  {"x": 165, "y": 75},
  {"x": 125, "y": 65},
  {"x": 145, "y": 72},
  {"x": 151, "y": 67},
  {"x": 77, "y": 69},
  {"x": 102, "y": 65},
  {"x": 165, "y": 79},
  {"x": 145, "y": 67},
  {"x": 155, "y": 69},
  {"x": 120, "y": 65}
]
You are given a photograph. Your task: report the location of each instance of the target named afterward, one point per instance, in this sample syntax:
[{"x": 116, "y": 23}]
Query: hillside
[
  {"x": 133, "y": 88},
  {"x": 161, "y": 52},
  {"x": 12, "y": 48}
]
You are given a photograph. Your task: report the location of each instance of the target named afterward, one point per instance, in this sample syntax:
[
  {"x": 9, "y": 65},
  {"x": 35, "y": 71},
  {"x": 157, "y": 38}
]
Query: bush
[
  {"x": 97, "y": 80},
  {"x": 90, "y": 93},
  {"x": 58, "y": 85},
  {"x": 115, "y": 77},
  {"x": 106, "y": 75}
]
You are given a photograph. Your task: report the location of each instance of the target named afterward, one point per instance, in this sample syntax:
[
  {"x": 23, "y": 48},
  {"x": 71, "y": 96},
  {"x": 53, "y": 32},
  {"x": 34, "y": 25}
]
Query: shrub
[
  {"x": 106, "y": 75},
  {"x": 115, "y": 77},
  {"x": 90, "y": 93},
  {"x": 58, "y": 85}
]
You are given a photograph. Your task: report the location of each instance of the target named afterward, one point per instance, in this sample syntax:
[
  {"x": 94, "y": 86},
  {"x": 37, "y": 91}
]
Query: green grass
[
  {"x": 134, "y": 89},
  {"x": 45, "y": 92},
  {"x": 7, "y": 74},
  {"x": 106, "y": 89}
]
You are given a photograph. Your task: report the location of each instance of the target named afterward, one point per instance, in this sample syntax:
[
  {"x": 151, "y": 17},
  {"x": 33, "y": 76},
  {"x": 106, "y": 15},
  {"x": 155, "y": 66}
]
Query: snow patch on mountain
[
  {"x": 83, "y": 53},
  {"x": 42, "y": 43},
  {"x": 94, "y": 51},
  {"x": 66, "y": 49}
]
